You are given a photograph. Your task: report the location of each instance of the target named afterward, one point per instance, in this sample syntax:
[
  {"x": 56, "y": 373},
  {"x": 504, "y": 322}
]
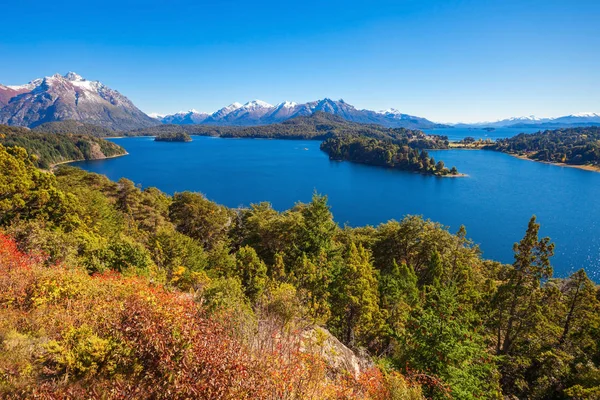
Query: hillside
[
  {"x": 75, "y": 127},
  {"x": 110, "y": 291},
  {"x": 51, "y": 149}
]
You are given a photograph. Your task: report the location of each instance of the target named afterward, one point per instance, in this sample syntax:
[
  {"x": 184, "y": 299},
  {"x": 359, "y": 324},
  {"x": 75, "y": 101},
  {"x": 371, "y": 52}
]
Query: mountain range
[
  {"x": 258, "y": 112},
  {"x": 71, "y": 97}
]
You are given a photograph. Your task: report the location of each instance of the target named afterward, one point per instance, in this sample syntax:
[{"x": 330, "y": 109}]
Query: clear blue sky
[{"x": 443, "y": 60}]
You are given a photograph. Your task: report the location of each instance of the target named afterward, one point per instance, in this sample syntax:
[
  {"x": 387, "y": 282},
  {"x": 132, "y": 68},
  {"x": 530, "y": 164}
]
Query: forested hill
[
  {"x": 110, "y": 291},
  {"x": 384, "y": 154},
  {"x": 575, "y": 146},
  {"x": 76, "y": 127},
  {"x": 318, "y": 126},
  {"x": 50, "y": 149}
]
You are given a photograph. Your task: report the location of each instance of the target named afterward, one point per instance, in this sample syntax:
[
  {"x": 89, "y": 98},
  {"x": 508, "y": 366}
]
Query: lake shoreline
[
  {"x": 53, "y": 166},
  {"x": 590, "y": 168}
]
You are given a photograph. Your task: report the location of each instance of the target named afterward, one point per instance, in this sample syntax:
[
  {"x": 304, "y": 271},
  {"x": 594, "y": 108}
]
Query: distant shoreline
[{"x": 591, "y": 168}]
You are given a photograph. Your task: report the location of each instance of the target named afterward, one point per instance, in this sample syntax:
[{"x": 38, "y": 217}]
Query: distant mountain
[
  {"x": 184, "y": 118},
  {"x": 567, "y": 121},
  {"x": 69, "y": 97},
  {"x": 258, "y": 112}
]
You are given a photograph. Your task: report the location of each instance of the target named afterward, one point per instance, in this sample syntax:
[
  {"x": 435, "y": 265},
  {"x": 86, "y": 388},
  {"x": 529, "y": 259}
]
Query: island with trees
[
  {"x": 173, "y": 137},
  {"x": 578, "y": 147},
  {"x": 383, "y": 153}
]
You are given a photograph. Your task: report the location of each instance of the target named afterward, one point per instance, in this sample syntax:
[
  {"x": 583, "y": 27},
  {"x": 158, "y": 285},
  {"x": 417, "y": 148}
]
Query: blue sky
[{"x": 444, "y": 60}]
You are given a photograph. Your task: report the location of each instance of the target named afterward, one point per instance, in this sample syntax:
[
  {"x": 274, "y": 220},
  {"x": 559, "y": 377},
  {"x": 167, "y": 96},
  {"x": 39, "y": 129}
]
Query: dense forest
[
  {"x": 75, "y": 127},
  {"x": 318, "y": 126},
  {"x": 173, "y": 137},
  {"x": 576, "y": 146},
  {"x": 47, "y": 150},
  {"x": 384, "y": 154},
  {"x": 110, "y": 291}
]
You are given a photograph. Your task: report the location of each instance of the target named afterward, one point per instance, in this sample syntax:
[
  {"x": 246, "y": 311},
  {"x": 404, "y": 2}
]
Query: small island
[
  {"x": 173, "y": 137},
  {"x": 384, "y": 153}
]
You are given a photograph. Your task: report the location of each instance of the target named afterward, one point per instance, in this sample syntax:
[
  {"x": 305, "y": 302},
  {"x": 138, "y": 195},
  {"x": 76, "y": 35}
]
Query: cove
[{"x": 494, "y": 202}]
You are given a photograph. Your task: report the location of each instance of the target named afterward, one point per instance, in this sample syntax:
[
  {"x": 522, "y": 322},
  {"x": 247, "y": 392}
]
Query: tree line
[{"x": 576, "y": 146}]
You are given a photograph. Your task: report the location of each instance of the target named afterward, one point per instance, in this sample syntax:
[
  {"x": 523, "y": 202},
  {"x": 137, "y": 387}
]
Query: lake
[{"x": 494, "y": 202}]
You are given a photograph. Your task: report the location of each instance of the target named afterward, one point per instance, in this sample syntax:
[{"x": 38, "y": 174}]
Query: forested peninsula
[
  {"x": 578, "y": 147},
  {"x": 47, "y": 150},
  {"x": 113, "y": 291}
]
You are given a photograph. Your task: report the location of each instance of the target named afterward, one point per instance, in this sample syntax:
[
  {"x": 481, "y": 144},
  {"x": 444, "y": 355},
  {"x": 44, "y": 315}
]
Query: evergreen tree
[
  {"x": 252, "y": 272},
  {"x": 357, "y": 298}
]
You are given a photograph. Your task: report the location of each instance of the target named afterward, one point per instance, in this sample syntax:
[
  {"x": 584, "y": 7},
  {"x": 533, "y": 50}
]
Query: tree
[
  {"x": 439, "y": 167},
  {"x": 357, "y": 314},
  {"x": 252, "y": 272},
  {"x": 318, "y": 226},
  {"x": 582, "y": 305},
  {"x": 199, "y": 218},
  {"x": 517, "y": 308},
  {"x": 399, "y": 294}
]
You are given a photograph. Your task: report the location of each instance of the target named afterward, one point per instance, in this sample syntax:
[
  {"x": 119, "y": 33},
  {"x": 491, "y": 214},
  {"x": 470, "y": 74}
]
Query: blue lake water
[
  {"x": 494, "y": 202},
  {"x": 455, "y": 134}
]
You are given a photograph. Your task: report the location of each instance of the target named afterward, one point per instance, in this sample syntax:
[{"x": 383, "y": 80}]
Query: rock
[{"x": 339, "y": 358}]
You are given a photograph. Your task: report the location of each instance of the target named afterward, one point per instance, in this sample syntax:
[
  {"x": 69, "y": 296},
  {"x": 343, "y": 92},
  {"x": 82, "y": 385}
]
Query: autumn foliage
[{"x": 66, "y": 334}]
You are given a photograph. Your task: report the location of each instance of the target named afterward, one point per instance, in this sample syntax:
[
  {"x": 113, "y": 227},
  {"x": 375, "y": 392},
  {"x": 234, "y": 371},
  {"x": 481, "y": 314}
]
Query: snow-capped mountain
[
  {"x": 258, "y": 112},
  {"x": 579, "y": 118},
  {"x": 185, "y": 117},
  {"x": 69, "y": 97}
]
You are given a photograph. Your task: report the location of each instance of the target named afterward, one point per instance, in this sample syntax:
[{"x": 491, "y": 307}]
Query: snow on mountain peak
[
  {"x": 388, "y": 111},
  {"x": 28, "y": 86},
  {"x": 287, "y": 104},
  {"x": 251, "y": 105},
  {"x": 585, "y": 115},
  {"x": 72, "y": 76}
]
